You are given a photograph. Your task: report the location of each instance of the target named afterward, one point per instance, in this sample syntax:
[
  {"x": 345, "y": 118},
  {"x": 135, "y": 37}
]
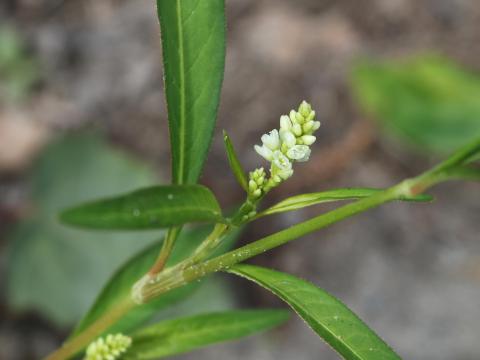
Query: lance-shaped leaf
[
  {"x": 185, "y": 334},
  {"x": 154, "y": 207},
  {"x": 328, "y": 317},
  {"x": 235, "y": 164},
  {"x": 304, "y": 200},
  {"x": 193, "y": 39}
]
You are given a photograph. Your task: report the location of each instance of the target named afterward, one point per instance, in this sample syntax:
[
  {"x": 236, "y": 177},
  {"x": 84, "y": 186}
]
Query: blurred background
[{"x": 396, "y": 86}]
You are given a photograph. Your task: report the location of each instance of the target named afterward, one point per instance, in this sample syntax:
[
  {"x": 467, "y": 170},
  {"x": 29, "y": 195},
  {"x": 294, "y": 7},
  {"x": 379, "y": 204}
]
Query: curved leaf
[
  {"x": 304, "y": 200},
  {"x": 154, "y": 207},
  {"x": 185, "y": 334},
  {"x": 234, "y": 163},
  {"x": 193, "y": 39},
  {"x": 327, "y": 316}
]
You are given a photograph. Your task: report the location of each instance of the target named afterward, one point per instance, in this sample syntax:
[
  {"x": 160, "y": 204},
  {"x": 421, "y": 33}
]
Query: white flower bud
[
  {"x": 264, "y": 152},
  {"x": 308, "y": 139},
  {"x": 288, "y": 138},
  {"x": 297, "y": 129},
  {"x": 299, "y": 153},
  {"x": 316, "y": 125},
  {"x": 293, "y": 116},
  {"x": 271, "y": 140},
  {"x": 285, "y": 123}
]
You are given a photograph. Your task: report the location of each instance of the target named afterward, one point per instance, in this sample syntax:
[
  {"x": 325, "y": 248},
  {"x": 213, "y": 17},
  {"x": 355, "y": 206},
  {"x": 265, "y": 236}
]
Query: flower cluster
[
  {"x": 109, "y": 348},
  {"x": 283, "y": 147}
]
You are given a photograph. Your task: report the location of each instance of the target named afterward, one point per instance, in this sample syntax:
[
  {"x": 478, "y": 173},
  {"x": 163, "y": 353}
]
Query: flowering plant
[{"x": 193, "y": 38}]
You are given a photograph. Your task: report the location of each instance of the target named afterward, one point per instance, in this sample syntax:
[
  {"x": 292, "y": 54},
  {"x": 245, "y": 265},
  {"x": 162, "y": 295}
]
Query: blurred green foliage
[
  {"x": 18, "y": 70},
  {"x": 57, "y": 270},
  {"x": 428, "y": 101}
]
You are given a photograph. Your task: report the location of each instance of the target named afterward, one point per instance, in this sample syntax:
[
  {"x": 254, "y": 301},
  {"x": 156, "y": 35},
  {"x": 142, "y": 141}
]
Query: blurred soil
[{"x": 412, "y": 271}]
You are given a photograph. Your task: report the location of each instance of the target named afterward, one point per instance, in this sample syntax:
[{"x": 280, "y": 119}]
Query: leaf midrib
[{"x": 182, "y": 115}]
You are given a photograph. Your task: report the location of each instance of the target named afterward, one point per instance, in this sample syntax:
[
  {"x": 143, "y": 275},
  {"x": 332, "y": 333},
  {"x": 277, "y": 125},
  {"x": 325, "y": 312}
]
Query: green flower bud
[
  {"x": 305, "y": 108},
  {"x": 297, "y": 130},
  {"x": 300, "y": 119}
]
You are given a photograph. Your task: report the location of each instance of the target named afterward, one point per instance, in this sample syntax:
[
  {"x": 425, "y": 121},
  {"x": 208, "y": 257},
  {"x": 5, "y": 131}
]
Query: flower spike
[
  {"x": 282, "y": 147},
  {"x": 109, "y": 348}
]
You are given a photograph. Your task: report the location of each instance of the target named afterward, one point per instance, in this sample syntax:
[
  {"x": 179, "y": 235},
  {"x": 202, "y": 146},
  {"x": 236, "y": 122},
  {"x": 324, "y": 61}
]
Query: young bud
[
  {"x": 311, "y": 116},
  {"x": 297, "y": 129},
  {"x": 252, "y": 186},
  {"x": 293, "y": 116},
  {"x": 308, "y": 126},
  {"x": 308, "y": 139},
  {"x": 285, "y": 123},
  {"x": 300, "y": 119},
  {"x": 304, "y": 108}
]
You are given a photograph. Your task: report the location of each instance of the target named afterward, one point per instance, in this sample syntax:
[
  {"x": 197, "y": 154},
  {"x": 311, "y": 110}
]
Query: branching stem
[{"x": 197, "y": 267}]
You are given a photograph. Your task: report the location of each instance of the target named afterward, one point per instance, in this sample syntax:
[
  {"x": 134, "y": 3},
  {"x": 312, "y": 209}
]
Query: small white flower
[
  {"x": 264, "y": 152},
  {"x": 308, "y": 139},
  {"x": 299, "y": 153},
  {"x": 271, "y": 140},
  {"x": 288, "y": 138},
  {"x": 316, "y": 125},
  {"x": 281, "y": 165}
]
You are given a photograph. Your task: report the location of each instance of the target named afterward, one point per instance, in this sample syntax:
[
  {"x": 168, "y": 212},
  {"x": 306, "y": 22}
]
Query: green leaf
[
  {"x": 429, "y": 102},
  {"x": 56, "y": 270},
  {"x": 150, "y": 208},
  {"x": 120, "y": 284},
  {"x": 193, "y": 39},
  {"x": 327, "y": 316},
  {"x": 185, "y": 334},
  {"x": 304, "y": 200},
  {"x": 235, "y": 165}
]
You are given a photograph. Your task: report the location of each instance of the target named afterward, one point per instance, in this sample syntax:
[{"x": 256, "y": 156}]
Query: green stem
[
  {"x": 166, "y": 250},
  {"x": 404, "y": 189},
  {"x": 209, "y": 244}
]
